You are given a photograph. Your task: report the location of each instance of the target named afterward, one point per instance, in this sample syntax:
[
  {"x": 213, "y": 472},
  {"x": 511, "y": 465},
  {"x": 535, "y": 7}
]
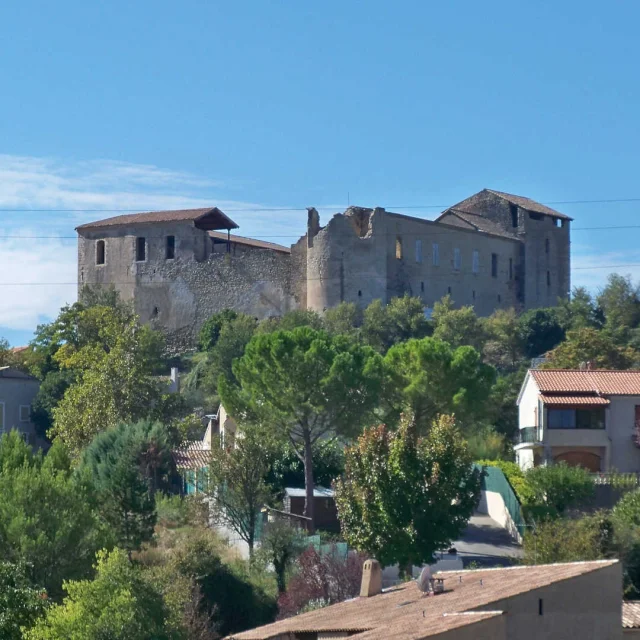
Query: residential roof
[
  {"x": 601, "y": 382},
  {"x": 10, "y": 372},
  {"x": 588, "y": 400},
  {"x": 402, "y": 612},
  {"x": 479, "y": 223},
  {"x": 318, "y": 492},
  {"x": 530, "y": 205},
  {"x": 251, "y": 242},
  {"x": 631, "y": 615},
  {"x": 192, "y": 455},
  {"x": 207, "y": 218},
  {"x": 18, "y": 349}
]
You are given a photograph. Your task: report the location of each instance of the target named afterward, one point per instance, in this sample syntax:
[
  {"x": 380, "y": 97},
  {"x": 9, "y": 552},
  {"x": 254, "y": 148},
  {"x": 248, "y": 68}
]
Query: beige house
[
  {"x": 580, "y": 601},
  {"x": 17, "y": 392},
  {"x": 584, "y": 417}
]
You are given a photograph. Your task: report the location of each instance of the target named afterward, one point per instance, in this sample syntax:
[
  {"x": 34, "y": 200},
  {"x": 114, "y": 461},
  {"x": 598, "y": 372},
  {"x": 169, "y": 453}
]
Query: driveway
[{"x": 486, "y": 543}]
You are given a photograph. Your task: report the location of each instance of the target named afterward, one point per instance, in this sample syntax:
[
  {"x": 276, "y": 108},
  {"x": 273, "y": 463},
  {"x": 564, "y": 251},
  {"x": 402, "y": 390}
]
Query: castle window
[
  {"x": 456, "y": 258},
  {"x": 422, "y": 287},
  {"x": 548, "y": 278},
  {"x": 510, "y": 268},
  {"x": 494, "y": 265},
  {"x": 436, "y": 254},
  {"x": 398, "y": 248},
  {"x": 534, "y": 215},
  {"x": 418, "y": 251},
  {"x": 476, "y": 262},
  {"x": 141, "y": 249},
  {"x": 513, "y": 209},
  {"x": 170, "y": 249},
  {"x": 359, "y": 293},
  {"x": 100, "y": 252},
  {"x": 473, "y": 294},
  {"x": 556, "y": 222},
  {"x": 499, "y": 298},
  {"x": 546, "y": 246},
  {"x": 449, "y": 290}
]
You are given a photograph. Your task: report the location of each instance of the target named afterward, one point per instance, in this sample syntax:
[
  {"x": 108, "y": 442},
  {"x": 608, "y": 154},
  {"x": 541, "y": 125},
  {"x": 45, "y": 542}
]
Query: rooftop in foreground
[{"x": 403, "y": 612}]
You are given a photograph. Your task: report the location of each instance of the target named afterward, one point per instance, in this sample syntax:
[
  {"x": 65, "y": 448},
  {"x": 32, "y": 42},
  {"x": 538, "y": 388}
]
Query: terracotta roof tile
[
  {"x": 588, "y": 400},
  {"x": 631, "y": 615},
  {"x": 530, "y": 205},
  {"x": 398, "y": 612},
  {"x": 212, "y": 215},
  {"x": 608, "y": 383},
  {"x": 191, "y": 456},
  {"x": 251, "y": 242}
]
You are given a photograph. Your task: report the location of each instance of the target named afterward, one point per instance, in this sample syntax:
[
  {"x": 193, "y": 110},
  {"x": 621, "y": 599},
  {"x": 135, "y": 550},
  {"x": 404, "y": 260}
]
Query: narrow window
[
  {"x": 546, "y": 246},
  {"x": 556, "y": 222},
  {"x": 449, "y": 290},
  {"x": 456, "y": 258},
  {"x": 510, "y": 268},
  {"x": 398, "y": 248},
  {"x": 418, "y": 251},
  {"x": 141, "y": 249},
  {"x": 499, "y": 298},
  {"x": 513, "y": 209},
  {"x": 422, "y": 287},
  {"x": 25, "y": 413},
  {"x": 473, "y": 294},
  {"x": 476, "y": 262},
  {"x": 548, "y": 278},
  {"x": 170, "y": 252},
  {"x": 540, "y": 608},
  {"x": 100, "y": 252},
  {"x": 436, "y": 254},
  {"x": 359, "y": 293},
  {"x": 494, "y": 265}
]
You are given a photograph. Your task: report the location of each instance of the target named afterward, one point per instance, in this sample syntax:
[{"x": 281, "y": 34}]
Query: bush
[
  {"x": 565, "y": 540},
  {"x": 561, "y": 487},
  {"x": 172, "y": 511},
  {"x": 486, "y": 443}
]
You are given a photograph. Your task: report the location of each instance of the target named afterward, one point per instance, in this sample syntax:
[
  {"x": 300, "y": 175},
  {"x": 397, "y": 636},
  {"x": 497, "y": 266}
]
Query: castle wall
[
  {"x": 432, "y": 281},
  {"x": 178, "y": 295}
]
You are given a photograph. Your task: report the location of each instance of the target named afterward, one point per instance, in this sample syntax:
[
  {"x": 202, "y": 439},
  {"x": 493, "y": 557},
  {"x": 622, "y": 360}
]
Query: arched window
[{"x": 100, "y": 252}]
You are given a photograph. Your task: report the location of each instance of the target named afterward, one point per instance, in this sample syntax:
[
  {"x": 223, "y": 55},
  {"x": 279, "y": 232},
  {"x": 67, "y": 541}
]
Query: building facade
[
  {"x": 581, "y": 417},
  {"x": 493, "y": 250},
  {"x": 17, "y": 393}
]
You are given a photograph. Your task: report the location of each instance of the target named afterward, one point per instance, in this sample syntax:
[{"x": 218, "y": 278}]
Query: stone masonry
[{"x": 492, "y": 250}]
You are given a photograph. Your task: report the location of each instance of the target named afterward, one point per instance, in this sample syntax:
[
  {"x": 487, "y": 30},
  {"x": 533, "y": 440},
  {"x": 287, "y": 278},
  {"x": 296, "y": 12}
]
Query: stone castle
[{"x": 492, "y": 250}]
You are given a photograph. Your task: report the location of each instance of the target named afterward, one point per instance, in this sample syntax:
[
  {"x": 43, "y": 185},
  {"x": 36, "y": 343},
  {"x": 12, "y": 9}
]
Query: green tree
[
  {"x": 403, "y": 497},
  {"x": 540, "y": 330},
  {"x": 237, "y": 483},
  {"x": 579, "y": 311},
  {"x": 560, "y": 487},
  {"x": 47, "y": 519},
  {"x": 504, "y": 348},
  {"x": 21, "y": 604},
  {"x": 51, "y": 391},
  {"x": 429, "y": 378},
  {"x": 210, "y": 331},
  {"x": 118, "y": 604},
  {"x": 620, "y": 302},
  {"x": 458, "y": 327},
  {"x": 386, "y": 325},
  {"x": 591, "y": 345},
  {"x": 125, "y": 466},
  {"x": 114, "y": 380},
  {"x": 281, "y": 544},
  {"x": 303, "y": 385},
  {"x": 344, "y": 319}
]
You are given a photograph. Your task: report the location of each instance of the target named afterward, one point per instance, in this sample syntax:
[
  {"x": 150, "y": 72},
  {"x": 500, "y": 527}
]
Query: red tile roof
[
  {"x": 191, "y": 455},
  {"x": 209, "y": 218},
  {"x": 588, "y": 400},
  {"x": 251, "y": 242},
  {"x": 400, "y": 612},
  {"x": 608, "y": 383}
]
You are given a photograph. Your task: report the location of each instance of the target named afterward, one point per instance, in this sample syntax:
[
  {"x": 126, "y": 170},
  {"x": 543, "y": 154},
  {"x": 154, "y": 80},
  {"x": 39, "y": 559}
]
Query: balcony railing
[{"x": 528, "y": 435}]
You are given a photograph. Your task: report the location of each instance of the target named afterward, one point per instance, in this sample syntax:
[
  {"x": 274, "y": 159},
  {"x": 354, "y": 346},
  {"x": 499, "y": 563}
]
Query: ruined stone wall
[{"x": 178, "y": 295}]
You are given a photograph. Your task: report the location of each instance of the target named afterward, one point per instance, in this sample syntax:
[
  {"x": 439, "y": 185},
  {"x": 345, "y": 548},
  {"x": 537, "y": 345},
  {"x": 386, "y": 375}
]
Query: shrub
[
  {"x": 486, "y": 443},
  {"x": 560, "y": 486},
  {"x": 515, "y": 476}
]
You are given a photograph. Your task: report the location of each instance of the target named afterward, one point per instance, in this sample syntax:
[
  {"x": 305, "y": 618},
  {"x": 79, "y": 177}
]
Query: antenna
[{"x": 425, "y": 580}]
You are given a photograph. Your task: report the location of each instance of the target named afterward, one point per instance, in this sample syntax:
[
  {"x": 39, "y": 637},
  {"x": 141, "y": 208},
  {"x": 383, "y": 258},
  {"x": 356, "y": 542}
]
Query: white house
[{"x": 584, "y": 417}]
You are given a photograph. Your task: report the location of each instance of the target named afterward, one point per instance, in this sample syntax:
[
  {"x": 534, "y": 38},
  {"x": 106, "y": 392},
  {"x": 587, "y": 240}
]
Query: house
[
  {"x": 584, "y": 417},
  {"x": 326, "y": 513},
  {"x": 17, "y": 393},
  {"x": 579, "y": 600}
]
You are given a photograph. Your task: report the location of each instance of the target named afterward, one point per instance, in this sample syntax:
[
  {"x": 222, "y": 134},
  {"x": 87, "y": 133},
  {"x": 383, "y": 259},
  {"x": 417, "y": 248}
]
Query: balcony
[{"x": 528, "y": 435}]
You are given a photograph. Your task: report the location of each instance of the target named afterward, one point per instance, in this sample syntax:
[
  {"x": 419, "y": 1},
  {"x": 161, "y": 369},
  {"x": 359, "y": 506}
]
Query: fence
[{"x": 494, "y": 482}]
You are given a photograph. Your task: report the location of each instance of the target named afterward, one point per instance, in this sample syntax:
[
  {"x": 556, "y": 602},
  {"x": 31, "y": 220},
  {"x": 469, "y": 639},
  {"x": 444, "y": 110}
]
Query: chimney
[
  {"x": 174, "y": 385},
  {"x": 371, "y": 579}
]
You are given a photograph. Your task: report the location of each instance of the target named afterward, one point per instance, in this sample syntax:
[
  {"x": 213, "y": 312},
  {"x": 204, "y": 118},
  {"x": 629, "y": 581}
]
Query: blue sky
[{"x": 289, "y": 104}]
